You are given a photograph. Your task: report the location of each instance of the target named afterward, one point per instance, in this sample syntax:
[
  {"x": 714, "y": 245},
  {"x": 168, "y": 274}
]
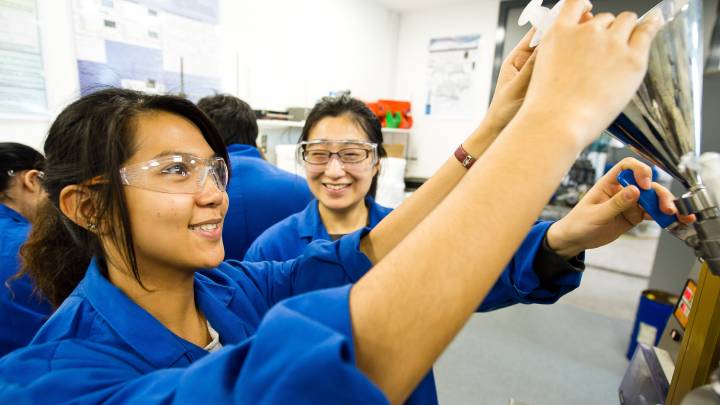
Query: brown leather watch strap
[{"x": 463, "y": 157}]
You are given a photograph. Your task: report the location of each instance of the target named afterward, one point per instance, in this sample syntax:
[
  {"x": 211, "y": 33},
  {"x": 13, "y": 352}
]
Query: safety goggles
[
  {"x": 176, "y": 174},
  {"x": 13, "y": 173},
  {"x": 353, "y": 155}
]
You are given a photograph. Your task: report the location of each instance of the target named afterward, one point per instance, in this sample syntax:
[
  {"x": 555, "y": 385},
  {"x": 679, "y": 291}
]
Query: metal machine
[{"x": 662, "y": 123}]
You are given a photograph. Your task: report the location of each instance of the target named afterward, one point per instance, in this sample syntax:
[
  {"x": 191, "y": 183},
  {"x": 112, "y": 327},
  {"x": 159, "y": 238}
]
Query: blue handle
[{"x": 648, "y": 200}]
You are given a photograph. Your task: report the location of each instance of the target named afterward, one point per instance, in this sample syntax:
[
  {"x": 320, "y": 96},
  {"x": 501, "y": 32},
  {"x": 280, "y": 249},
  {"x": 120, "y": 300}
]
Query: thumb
[
  {"x": 519, "y": 84},
  {"x": 627, "y": 198}
]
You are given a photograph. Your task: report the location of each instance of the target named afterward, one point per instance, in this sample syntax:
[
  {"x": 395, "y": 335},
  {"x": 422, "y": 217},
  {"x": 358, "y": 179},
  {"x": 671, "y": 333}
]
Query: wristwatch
[{"x": 464, "y": 157}]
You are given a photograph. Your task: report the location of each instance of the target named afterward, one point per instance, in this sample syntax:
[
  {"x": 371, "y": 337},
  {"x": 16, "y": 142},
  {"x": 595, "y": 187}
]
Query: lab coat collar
[
  {"x": 311, "y": 226},
  {"x": 204, "y": 283},
  {"x": 139, "y": 329},
  {"x": 214, "y": 298},
  {"x": 8, "y": 212},
  {"x": 238, "y": 149},
  {"x": 377, "y": 211}
]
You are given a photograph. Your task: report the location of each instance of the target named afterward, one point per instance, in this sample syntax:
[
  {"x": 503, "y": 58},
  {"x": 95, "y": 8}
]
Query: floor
[{"x": 572, "y": 352}]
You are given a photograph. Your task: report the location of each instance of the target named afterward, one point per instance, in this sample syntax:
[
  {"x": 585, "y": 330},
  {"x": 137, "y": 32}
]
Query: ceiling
[{"x": 412, "y": 5}]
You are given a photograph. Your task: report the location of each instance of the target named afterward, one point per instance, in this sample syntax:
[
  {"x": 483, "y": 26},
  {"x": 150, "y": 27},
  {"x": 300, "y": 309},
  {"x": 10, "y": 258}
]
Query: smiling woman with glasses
[
  {"x": 341, "y": 150},
  {"x": 148, "y": 311}
]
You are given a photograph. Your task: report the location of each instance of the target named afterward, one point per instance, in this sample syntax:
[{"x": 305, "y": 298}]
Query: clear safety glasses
[
  {"x": 176, "y": 174},
  {"x": 353, "y": 155}
]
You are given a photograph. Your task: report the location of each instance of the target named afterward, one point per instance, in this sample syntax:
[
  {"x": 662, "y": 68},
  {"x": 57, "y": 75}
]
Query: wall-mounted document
[
  {"x": 156, "y": 46},
  {"x": 22, "y": 81}
]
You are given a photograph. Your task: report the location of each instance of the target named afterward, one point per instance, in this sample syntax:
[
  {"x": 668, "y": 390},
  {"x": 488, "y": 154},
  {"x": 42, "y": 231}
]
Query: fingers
[
  {"x": 586, "y": 17},
  {"x": 624, "y": 24},
  {"x": 641, "y": 172},
  {"x": 522, "y": 51},
  {"x": 518, "y": 85},
  {"x": 627, "y": 198},
  {"x": 527, "y": 67},
  {"x": 620, "y": 203},
  {"x": 573, "y": 11},
  {"x": 645, "y": 32},
  {"x": 603, "y": 19},
  {"x": 520, "y": 60},
  {"x": 686, "y": 219},
  {"x": 524, "y": 44},
  {"x": 667, "y": 205},
  {"x": 665, "y": 199}
]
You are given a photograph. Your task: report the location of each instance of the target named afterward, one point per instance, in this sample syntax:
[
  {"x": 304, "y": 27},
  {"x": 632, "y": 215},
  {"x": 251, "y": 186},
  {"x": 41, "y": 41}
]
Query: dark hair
[
  {"x": 234, "y": 118},
  {"x": 359, "y": 112},
  {"x": 93, "y": 137},
  {"x": 14, "y": 158}
]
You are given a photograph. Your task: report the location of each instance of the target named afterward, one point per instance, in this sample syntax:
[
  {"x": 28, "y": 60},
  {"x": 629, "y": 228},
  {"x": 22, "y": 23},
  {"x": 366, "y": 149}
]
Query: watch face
[{"x": 684, "y": 304}]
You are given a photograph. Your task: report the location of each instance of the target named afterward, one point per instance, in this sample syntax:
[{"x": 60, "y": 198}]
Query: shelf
[
  {"x": 280, "y": 124},
  {"x": 270, "y": 124},
  {"x": 395, "y": 131}
]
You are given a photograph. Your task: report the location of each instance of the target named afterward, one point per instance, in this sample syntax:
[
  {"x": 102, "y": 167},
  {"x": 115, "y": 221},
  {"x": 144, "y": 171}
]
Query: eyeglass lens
[{"x": 179, "y": 174}]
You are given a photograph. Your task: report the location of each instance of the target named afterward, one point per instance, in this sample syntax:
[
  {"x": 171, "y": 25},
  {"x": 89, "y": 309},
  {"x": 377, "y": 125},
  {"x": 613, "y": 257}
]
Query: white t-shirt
[{"x": 214, "y": 344}]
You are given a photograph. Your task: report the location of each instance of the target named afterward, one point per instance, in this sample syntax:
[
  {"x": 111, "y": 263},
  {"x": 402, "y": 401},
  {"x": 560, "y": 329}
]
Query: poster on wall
[
  {"x": 22, "y": 81},
  {"x": 156, "y": 46},
  {"x": 452, "y": 82}
]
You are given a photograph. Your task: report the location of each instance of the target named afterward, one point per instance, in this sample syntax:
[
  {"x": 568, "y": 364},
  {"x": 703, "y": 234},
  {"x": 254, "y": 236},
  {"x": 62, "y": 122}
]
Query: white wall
[
  {"x": 433, "y": 140},
  {"x": 274, "y": 54},
  {"x": 290, "y": 53}
]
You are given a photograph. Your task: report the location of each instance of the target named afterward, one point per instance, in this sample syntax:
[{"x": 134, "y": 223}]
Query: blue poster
[
  {"x": 96, "y": 76},
  {"x": 193, "y": 87},
  {"x": 128, "y": 64},
  {"x": 134, "y": 62}
]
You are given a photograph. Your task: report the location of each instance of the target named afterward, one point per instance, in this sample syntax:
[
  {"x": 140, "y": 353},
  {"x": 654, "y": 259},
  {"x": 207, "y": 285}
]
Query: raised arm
[
  {"x": 513, "y": 80},
  {"x": 411, "y": 305}
]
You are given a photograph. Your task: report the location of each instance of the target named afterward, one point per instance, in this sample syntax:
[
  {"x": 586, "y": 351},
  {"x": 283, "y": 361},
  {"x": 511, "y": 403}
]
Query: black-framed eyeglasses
[
  {"x": 349, "y": 155},
  {"x": 317, "y": 152}
]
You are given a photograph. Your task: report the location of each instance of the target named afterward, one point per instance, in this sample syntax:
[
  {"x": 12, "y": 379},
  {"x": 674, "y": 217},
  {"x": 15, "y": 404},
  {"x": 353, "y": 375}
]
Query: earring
[{"x": 92, "y": 227}]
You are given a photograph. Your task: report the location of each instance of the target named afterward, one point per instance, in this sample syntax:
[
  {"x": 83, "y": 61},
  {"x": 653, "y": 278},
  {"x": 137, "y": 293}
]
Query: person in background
[
  {"x": 151, "y": 313},
  {"x": 260, "y": 193},
  {"x": 340, "y": 148},
  {"x": 22, "y": 312}
]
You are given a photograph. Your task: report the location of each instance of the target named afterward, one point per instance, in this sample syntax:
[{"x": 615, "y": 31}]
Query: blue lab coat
[
  {"x": 100, "y": 347},
  {"x": 260, "y": 195},
  {"x": 288, "y": 238},
  {"x": 21, "y": 312}
]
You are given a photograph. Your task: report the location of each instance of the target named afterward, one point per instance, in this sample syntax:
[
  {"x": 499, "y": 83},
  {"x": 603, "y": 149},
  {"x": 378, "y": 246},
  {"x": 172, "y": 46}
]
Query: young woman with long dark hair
[{"x": 133, "y": 249}]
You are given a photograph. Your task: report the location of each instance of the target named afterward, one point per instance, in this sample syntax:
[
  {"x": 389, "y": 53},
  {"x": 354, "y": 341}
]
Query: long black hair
[
  {"x": 15, "y": 158},
  {"x": 94, "y": 136},
  {"x": 359, "y": 112}
]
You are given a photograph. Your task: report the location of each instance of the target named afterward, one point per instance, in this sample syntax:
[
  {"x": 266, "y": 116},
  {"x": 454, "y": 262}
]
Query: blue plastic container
[{"x": 652, "y": 315}]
